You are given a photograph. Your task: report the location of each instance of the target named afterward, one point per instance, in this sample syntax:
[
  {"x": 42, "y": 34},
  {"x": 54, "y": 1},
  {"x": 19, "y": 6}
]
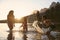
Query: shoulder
[{"x": 52, "y": 27}]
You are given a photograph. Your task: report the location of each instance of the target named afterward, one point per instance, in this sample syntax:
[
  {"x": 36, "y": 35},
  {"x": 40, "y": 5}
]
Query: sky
[{"x": 22, "y": 7}]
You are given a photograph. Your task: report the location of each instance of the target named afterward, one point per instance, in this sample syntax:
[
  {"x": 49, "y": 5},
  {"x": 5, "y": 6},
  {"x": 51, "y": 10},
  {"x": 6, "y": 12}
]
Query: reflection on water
[
  {"x": 10, "y": 36},
  {"x": 5, "y": 34},
  {"x": 25, "y": 37}
]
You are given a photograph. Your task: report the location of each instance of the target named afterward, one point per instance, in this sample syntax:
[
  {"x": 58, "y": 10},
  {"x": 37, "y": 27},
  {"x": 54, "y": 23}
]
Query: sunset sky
[{"x": 22, "y": 7}]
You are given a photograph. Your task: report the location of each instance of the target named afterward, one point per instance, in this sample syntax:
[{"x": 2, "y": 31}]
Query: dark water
[{"x": 17, "y": 34}]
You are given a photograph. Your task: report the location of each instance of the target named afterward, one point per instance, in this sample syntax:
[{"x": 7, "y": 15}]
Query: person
[
  {"x": 47, "y": 28},
  {"x": 24, "y": 24},
  {"x": 46, "y": 25},
  {"x": 10, "y": 19}
]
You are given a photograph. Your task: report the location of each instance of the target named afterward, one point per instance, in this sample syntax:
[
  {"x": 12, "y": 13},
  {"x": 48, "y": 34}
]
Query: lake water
[{"x": 5, "y": 35}]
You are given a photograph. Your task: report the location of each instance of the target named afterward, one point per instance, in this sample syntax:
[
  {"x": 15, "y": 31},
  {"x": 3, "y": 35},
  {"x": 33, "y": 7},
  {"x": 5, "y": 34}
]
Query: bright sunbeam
[
  {"x": 21, "y": 7},
  {"x": 21, "y": 13}
]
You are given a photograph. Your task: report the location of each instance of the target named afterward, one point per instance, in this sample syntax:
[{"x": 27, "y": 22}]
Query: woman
[
  {"x": 24, "y": 24},
  {"x": 10, "y": 19}
]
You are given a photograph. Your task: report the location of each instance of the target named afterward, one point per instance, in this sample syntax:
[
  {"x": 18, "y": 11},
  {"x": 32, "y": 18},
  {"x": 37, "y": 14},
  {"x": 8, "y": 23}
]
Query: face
[{"x": 47, "y": 22}]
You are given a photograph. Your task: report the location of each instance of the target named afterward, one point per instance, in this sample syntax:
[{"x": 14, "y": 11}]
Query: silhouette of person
[
  {"x": 10, "y": 36},
  {"x": 10, "y": 19},
  {"x": 24, "y": 24}
]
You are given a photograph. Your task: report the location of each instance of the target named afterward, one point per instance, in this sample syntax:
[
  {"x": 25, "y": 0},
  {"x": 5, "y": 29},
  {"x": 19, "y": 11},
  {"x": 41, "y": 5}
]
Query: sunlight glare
[{"x": 19, "y": 14}]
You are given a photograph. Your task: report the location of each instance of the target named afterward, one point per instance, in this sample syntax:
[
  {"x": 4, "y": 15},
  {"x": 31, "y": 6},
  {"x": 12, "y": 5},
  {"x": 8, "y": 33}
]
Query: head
[
  {"x": 11, "y": 12},
  {"x": 47, "y": 22},
  {"x": 44, "y": 17}
]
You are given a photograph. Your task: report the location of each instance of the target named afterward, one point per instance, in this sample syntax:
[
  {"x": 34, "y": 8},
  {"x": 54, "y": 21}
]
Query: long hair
[
  {"x": 11, "y": 12},
  {"x": 38, "y": 16}
]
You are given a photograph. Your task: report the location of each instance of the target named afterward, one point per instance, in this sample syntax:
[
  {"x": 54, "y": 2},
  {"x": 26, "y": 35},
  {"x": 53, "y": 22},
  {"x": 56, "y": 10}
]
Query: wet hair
[
  {"x": 44, "y": 17},
  {"x": 11, "y": 12},
  {"x": 47, "y": 20},
  {"x": 38, "y": 16}
]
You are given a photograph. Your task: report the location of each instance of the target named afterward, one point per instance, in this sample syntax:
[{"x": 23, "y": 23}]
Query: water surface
[{"x": 18, "y": 35}]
